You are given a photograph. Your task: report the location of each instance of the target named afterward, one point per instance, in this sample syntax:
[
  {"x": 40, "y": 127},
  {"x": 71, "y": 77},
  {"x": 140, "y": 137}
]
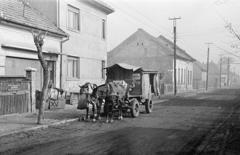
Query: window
[
  {"x": 73, "y": 18},
  {"x": 185, "y": 76},
  {"x": 178, "y": 75},
  {"x": 190, "y": 77},
  {"x": 103, "y": 69},
  {"x": 73, "y": 67},
  {"x": 103, "y": 29},
  {"x": 181, "y": 76}
]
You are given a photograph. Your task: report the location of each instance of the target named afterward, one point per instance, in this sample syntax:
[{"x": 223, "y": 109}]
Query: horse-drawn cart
[{"x": 142, "y": 82}]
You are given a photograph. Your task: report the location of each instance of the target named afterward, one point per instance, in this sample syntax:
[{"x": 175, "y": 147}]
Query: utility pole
[
  {"x": 228, "y": 70},
  {"x": 220, "y": 78},
  {"x": 207, "y": 65},
  {"x": 174, "y": 19}
]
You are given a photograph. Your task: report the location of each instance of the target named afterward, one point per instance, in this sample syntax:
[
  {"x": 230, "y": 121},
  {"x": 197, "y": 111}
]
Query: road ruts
[
  {"x": 215, "y": 140},
  {"x": 178, "y": 126}
]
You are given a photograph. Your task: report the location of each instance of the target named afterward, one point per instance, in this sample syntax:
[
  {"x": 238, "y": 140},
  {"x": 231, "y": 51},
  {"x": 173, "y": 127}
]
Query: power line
[
  {"x": 139, "y": 20},
  {"x": 138, "y": 12},
  {"x": 228, "y": 25},
  {"x": 226, "y": 51}
]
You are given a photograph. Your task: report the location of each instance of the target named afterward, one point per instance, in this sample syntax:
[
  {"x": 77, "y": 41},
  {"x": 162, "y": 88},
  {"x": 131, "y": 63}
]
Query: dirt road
[{"x": 204, "y": 123}]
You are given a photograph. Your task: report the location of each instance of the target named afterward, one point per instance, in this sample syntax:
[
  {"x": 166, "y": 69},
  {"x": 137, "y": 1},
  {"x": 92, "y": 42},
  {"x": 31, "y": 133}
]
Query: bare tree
[{"x": 38, "y": 38}]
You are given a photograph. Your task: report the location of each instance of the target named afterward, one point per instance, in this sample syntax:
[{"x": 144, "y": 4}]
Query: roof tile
[{"x": 15, "y": 11}]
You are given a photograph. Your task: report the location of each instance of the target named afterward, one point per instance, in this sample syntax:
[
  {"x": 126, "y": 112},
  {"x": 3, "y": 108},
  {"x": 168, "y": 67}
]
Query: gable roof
[
  {"x": 200, "y": 65},
  {"x": 182, "y": 54},
  {"x": 162, "y": 42},
  {"x": 15, "y": 12},
  {"x": 143, "y": 34}
]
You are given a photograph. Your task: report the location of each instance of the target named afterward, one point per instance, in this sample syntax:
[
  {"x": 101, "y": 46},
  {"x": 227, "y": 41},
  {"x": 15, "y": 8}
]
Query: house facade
[
  {"x": 184, "y": 65},
  {"x": 17, "y": 51},
  {"x": 84, "y": 53},
  {"x": 150, "y": 53},
  {"x": 213, "y": 75},
  {"x": 199, "y": 76}
]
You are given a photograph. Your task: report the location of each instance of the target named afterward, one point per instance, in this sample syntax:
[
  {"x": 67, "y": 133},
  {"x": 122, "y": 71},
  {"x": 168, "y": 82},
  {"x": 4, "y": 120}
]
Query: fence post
[{"x": 31, "y": 75}]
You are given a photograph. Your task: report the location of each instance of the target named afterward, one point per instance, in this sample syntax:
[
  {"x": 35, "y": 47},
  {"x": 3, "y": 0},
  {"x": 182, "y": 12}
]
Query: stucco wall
[
  {"x": 86, "y": 44},
  {"x": 184, "y": 85},
  {"x": 15, "y": 37},
  {"x": 140, "y": 51}
]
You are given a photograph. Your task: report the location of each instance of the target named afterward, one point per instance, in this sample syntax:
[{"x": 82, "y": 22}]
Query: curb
[{"x": 39, "y": 127}]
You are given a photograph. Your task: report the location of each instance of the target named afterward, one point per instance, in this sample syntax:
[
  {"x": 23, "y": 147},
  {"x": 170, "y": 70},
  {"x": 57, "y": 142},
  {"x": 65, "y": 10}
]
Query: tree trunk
[
  {"x": 39, "y": 41},
  {"x": 43, "y": 96},
  {"x": 45, "y": 85}
]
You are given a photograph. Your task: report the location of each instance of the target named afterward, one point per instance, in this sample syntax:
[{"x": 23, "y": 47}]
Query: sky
[{"x": 201, "y": 21}]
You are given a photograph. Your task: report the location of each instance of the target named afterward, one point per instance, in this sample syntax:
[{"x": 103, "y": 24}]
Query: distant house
[
  {"x": 150, "y": 53},
  {"x": 85, "y": 53},
  {"x": 224, "y": 72},
  {"x": 184, "y": 65},
  {"x": 17, "y": 51},
  {"x": 199, "y": 75},
  {"x": 213, "y": 75}
]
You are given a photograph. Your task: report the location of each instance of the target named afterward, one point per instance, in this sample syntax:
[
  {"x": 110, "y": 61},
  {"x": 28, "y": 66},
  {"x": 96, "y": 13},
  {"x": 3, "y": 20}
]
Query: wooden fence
[{"x": 14, "y": 95}]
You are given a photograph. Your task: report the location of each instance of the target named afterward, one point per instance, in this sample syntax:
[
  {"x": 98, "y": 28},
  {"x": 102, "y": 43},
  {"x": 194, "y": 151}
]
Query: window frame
[
  {"x": 75, "y": 67},
  {"x": 178, "y": 79},
  {"x": 103, "y": 36},
  {"x": 77, "y": 11}
]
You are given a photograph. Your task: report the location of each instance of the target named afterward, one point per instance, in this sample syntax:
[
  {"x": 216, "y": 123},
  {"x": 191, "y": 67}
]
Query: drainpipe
[
  {"x": 61, "y": 43},
  {"x": 61, "y": 60}
]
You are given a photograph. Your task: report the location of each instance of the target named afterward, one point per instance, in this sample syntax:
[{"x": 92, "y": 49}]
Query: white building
[
  {"x": 85, "y": 53},
  {"x": 17, "y": 51},
  {"x": 184, "y": 66}
]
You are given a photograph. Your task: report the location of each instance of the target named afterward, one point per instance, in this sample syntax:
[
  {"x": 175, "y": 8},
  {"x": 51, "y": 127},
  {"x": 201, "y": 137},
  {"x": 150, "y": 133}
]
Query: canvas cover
[{"x": 118, "y": 88}]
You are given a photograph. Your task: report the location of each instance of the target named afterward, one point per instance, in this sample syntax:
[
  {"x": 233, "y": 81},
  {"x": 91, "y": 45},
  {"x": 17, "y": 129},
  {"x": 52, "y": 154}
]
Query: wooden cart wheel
[
  {"x": 148, "y": 106},
  {"x": 135, "y": 108}
]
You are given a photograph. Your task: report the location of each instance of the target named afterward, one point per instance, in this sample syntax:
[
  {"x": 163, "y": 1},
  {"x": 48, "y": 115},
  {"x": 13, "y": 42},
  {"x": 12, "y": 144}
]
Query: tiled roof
[
  {"x": 180, "y": 52},
  {"x": 200, "y": 65},
  {"x": 14, "y": 11},
  {"x": 145, "y": 35}
]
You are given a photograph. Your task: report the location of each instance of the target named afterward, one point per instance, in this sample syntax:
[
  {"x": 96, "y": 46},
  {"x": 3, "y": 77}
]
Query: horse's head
[{"x": 87, "y": 88}]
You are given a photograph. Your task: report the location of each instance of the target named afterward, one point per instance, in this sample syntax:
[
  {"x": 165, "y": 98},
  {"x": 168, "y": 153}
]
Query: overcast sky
[{"x": 201, "y": 21}]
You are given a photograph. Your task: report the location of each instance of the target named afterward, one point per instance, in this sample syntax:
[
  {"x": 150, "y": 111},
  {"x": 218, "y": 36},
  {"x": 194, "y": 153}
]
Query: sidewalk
[{"x": 15, "y": 123}]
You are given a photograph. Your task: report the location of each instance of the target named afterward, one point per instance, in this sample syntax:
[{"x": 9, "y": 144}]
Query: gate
[{"x": 14, "y": 95}]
